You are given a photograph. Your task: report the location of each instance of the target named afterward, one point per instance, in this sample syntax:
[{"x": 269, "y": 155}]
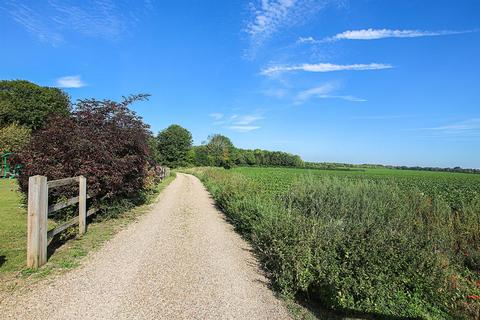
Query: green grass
[
  {"x": 13, "y": 227},
  {"x": 69, "y": 254}
]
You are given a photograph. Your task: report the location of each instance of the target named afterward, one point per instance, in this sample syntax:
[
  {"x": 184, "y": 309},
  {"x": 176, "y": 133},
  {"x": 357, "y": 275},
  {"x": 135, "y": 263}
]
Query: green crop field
[{"x": 455, "y": 188}]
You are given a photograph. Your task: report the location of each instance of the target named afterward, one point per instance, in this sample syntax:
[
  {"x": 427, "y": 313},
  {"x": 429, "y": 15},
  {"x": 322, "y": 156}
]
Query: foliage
[
  {"x": 266, "y": 158},
  {"x": 357, "y": 244},
  {"x": 29, "y": 105},
  {"x": 201, "y": 156},
  {"x": 14, "y": 137},
  {"x": 155, "y": 157},
  {"x": 102, "y": 140},
  {"x": 221, "y": 150},
  {"x": 173, "y": 146}
]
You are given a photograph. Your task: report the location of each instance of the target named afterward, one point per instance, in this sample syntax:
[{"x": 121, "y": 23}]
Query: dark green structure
[{"x": 7, "y": 171}]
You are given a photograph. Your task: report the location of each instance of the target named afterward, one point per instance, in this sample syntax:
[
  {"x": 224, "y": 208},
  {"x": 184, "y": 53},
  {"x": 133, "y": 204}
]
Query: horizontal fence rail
[
  {"x": 38, "y": 211},
  {"x": 63, "y": 182},
  {"x": 63, "y": 204},
  {"x": 70, "y": 223}
]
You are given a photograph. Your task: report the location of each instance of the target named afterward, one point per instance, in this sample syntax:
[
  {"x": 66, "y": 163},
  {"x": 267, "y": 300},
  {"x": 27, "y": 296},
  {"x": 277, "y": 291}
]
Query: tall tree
[
  {"x": 222, "y": 150},
  {"x": 29, "y": 105},
  {"x": 174, "y": 143}
]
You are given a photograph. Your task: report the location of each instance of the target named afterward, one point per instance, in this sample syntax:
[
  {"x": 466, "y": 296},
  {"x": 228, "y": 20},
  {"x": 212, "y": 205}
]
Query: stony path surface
[{"x": 180, "y": 261}]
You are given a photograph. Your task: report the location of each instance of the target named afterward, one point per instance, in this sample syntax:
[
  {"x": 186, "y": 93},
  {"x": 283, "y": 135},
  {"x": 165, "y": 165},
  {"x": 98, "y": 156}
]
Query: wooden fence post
[
  {"x": 82, "y": 205},
  {"x": 37, "y": 221}
]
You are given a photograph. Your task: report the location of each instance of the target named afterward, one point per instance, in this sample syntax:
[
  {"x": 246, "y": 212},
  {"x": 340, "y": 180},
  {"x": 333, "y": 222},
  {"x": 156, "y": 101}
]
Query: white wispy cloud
[
  {"x": 275, "y": 92},
  {"x": 50, "y": 21},
  {"x": 375, "y": 34},
  {"x": 246, "y": 119},
  {"x": 70, "y": 82},
  {"x": 236, "y": 122},
  {"x": 323, "y": 67},
  {"x": 385, "y": 117},
  {"x": 243, "y": 128},
  {"x": 216, "y": 115},
  {"x": 33, "y": 22},
  {"x": 307, "y": 40},
  {"x": 269, "y": 16},
  {"x": 469, "y": 127},
  {"x": 99, "y": 18},
  {"x": 324, "y": 91}
]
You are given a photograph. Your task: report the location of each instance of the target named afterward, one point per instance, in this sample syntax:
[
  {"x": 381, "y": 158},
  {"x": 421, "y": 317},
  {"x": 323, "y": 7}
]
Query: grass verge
[{"x": 13, "y": 227}]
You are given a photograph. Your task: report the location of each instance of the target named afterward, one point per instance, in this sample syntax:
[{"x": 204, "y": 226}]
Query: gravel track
[{"x": 182, "y": 260}]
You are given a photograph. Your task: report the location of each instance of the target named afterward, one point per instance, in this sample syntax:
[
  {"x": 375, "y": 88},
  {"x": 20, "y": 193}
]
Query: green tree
[
  {"x": 153, "y": 150},
  {"x": 191, "y": 157},
  {"x": 14, "y": 138},
  {"x": 29, "y": 105},
  {"x": 173, "y": 145},
  {"x": 202, "y": 158},
  {"x": 222, "y": 150}
]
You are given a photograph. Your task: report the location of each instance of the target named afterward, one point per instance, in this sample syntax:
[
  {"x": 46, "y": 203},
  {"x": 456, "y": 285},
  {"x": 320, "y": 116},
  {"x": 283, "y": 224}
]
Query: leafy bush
[
  {"x": 30, "y": 105},
  {"x": 102, "y": 140},
  {"x": 359, "y": 245},
  {"x": 14, "y": 137}
]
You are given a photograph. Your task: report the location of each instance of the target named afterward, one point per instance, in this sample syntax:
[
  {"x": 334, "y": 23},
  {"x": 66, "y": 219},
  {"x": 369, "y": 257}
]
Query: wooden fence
[{"x": 38, "y": 211}]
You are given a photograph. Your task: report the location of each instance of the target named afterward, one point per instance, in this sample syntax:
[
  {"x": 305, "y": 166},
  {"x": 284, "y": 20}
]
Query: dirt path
[{"x": 180, "y": 261}]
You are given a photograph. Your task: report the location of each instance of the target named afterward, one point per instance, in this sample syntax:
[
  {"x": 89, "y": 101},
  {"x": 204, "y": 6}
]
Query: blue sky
[{"x": 393, "y": 82}]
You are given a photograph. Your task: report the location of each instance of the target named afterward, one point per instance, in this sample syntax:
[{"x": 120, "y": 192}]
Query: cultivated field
[
  {"x": 453, "y": 187},
  {"x": 382, "y": 242}
]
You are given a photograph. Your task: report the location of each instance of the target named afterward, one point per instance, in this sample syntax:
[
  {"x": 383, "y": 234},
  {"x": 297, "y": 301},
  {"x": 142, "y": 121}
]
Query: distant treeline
[
  {"x": 173, "y": 147},
  {"x": 205, "y": 155},
  {"x": 455, "y": 169},
  {"x": 348, "y": 166}
]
